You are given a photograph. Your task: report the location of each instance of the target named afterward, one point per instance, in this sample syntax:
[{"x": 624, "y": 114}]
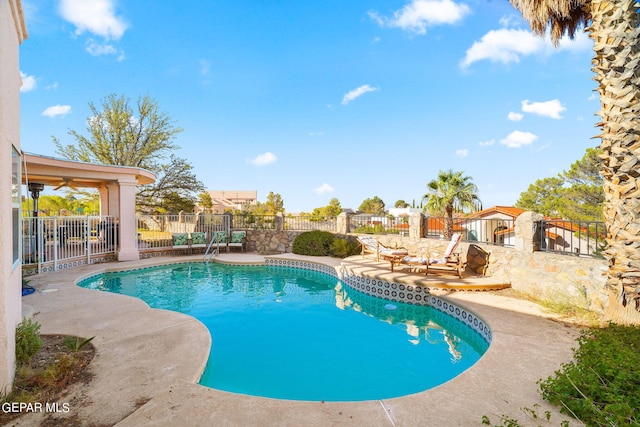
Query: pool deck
[{"x": 148, "y": 361}]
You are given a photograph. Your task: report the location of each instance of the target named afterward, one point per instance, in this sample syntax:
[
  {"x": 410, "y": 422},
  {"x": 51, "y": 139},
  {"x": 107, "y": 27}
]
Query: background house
[
  {"x": 224, "y": 200},
  {"x": 13, "y": 31}
]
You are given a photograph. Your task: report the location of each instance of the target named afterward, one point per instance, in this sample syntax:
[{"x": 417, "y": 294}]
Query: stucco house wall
[{"x": 12, "y": 32}]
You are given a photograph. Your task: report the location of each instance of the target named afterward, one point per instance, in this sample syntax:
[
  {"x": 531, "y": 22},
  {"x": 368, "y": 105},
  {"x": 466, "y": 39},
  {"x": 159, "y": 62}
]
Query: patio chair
[
  {"x": 371, "y": 245},
  {"x": 219, "y": 240},
  {"x": 180, "y": 241},
  {"x": 198, "y": 240},
  {"x": 450, "y": 261},
  {"x": 238, "y": 240}
]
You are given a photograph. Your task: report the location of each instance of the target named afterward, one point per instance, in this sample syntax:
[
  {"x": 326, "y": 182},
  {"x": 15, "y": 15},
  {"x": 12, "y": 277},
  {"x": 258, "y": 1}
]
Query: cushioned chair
[
  {"x": 238, "y": 240},
  {"x": 370, "y": 245},
  {"x": 180, "y": 240},
  {"x": 219, "y": 240},
  {"x": 450, "y": 261},
  {"x": 198, "y": 239}
]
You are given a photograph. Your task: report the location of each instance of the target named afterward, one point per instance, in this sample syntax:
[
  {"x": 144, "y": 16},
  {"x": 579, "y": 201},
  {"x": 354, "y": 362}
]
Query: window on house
[{"x": 16, "y": 175}]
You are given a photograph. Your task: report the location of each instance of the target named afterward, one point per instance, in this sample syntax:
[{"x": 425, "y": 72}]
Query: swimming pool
[{"x": 291, "y": 333}]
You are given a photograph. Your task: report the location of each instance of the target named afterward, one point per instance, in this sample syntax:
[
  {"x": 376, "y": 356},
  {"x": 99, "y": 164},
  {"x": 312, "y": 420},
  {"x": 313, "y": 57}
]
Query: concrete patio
[{"x": 148, "y": 361}]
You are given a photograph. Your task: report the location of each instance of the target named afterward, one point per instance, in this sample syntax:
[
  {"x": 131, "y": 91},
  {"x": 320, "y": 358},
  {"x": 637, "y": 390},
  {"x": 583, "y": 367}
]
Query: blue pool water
[{"x": 296, "y": 334}]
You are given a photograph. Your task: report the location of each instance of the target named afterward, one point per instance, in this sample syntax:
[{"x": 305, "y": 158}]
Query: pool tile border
[{"x": 398, "y": 292}]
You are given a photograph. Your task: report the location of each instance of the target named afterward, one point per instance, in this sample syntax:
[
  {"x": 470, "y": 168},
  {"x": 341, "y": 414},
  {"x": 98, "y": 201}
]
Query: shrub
[
  {"x": 342, "y": 248},
  {"x": 28, "y": 341},
  {"x": 601, "y": 386},
  {"x": 314, "y": 243}
]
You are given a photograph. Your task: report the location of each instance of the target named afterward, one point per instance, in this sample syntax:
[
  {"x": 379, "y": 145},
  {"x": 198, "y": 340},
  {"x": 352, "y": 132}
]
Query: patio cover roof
[{"x": 60, "y": 173}]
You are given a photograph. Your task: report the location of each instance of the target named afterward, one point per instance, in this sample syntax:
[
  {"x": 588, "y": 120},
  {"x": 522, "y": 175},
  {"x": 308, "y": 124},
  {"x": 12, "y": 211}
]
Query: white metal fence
[
  {"x": 157, "y": 231},
  {"x": 49, "y": 241}
]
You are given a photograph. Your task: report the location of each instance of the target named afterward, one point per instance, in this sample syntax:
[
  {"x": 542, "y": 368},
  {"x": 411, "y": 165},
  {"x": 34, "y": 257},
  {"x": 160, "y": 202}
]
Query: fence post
[
  {"x": 278, "y": 221},
  {"x": 342, "y": 223},
  {"x": 526, "y": 231},
  {"x": 416, "y": 225}
]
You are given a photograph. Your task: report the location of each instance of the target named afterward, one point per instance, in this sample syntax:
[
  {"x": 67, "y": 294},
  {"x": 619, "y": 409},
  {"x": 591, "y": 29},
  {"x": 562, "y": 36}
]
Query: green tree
[
  {"x": 615, "y": 30},
  {"x": 173, "y": 203},
  {"x": 401, "y": 204},
  {"x": 274, "y": 203},
  {"x": 584, "y": 195},
  {"x": 543, "y": 196},
  {"x": 143, "y": 137},
  {"x": 373, "y": 205},
  {"x": 76, "y": 203},
  {"x": 451, "y": 191},
  {"x": 576, "y": 194},
  {"x": 333, "y": 208},
  {"x": 205, "y": 201}
]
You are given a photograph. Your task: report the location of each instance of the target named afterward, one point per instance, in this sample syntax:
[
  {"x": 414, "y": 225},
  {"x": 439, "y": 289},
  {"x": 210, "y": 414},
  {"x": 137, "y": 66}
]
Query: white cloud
[
  {"x": 263, "y": 159},
  {"x": 323, "y": 189},
  {"x": 517, "y": 139},
  {"x": 29, "y": 83},
  {"x": 508, "y": 45},
  {"x": 509, "y": 20},
  {"x": 550, "y": 109},
  {"x": 94, "y": 16},
  {"x": 352, "y": 95},
  {"x": 504, "y": 45},
  {"x": 205, "y": 67},
  {"x": 417, "y": 15},
  {"x": 514, "y": 117},
  {"x": 101, "y": 49},
  {"x": 593, "y": 96},
  {"x": 52, "y": 86},
  {"x": 487, "y": 143},
  {"x": 462, "y": 153},
  {"x": 57, "y": 110}
]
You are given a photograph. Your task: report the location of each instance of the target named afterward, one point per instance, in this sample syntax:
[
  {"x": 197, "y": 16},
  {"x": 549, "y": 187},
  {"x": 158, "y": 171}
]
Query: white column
[{"x": 127, "y": 225}]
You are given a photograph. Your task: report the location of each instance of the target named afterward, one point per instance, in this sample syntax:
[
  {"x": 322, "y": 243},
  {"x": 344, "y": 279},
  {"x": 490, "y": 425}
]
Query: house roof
[
  {"x": 437, "y": 223},
  {"x": 511, "y": 211}
]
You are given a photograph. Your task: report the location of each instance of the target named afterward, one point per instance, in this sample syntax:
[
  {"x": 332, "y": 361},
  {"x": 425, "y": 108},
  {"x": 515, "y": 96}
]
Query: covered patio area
[{"x": 117, "y": 188}]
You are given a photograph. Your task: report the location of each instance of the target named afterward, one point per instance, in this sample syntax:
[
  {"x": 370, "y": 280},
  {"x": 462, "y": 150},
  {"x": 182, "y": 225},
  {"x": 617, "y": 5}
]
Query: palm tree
[
  {"x": 614, "y": 27},
  {"x": 451, "y": 191}
]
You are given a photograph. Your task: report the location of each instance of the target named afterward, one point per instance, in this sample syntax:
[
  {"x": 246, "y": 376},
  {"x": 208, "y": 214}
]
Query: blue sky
[{"x": 321, "y": 98}]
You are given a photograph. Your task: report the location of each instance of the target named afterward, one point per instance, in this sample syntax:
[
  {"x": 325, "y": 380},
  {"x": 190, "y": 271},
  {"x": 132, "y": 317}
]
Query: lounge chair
[
  {"x": 238, "y": 240},
  {"x": 370, "y": 245},
  {"x": 450, "y": 261}
]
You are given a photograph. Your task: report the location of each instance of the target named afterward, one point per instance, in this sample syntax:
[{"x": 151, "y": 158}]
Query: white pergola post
[{"x": 128, "y": 223}]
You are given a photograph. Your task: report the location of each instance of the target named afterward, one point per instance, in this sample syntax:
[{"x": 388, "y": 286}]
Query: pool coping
[{"x": 167, "y": 352}]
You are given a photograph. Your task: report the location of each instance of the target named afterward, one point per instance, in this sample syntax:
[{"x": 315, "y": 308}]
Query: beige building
[
  {"x": 13, "y": 32},
  {"x": 225, "y": 200}
]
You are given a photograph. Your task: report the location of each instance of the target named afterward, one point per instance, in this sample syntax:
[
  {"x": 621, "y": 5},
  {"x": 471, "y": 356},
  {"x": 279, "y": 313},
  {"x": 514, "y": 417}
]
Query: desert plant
[
  {"x": 314, "y": 243},
  {"x": 601, "y": 386},
  {"x": 342, "y": 248},
  {"x": 28, "y": 341},
  {"x": 75, "y": 344}
]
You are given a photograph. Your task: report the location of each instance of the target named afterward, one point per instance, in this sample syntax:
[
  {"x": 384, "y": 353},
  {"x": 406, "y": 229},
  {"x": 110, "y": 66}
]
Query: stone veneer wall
[{"x": 546, "y": 276}]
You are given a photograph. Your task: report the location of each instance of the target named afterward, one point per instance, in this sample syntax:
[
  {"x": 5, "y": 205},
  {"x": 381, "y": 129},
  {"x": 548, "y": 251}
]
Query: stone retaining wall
[{"x": 546, "y": 276}]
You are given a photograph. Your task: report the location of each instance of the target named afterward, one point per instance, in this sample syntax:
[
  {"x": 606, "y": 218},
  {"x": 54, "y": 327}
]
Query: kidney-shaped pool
[{"x": 290, "y": 333}]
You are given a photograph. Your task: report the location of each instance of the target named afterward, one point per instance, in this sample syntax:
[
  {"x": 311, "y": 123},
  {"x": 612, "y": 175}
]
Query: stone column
[
  {"x": 527, "y": 234},
  {"x": 279, "y": 221},
  {"x": 342, "y": 223},
  {"x": 416, "y": 225}
]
